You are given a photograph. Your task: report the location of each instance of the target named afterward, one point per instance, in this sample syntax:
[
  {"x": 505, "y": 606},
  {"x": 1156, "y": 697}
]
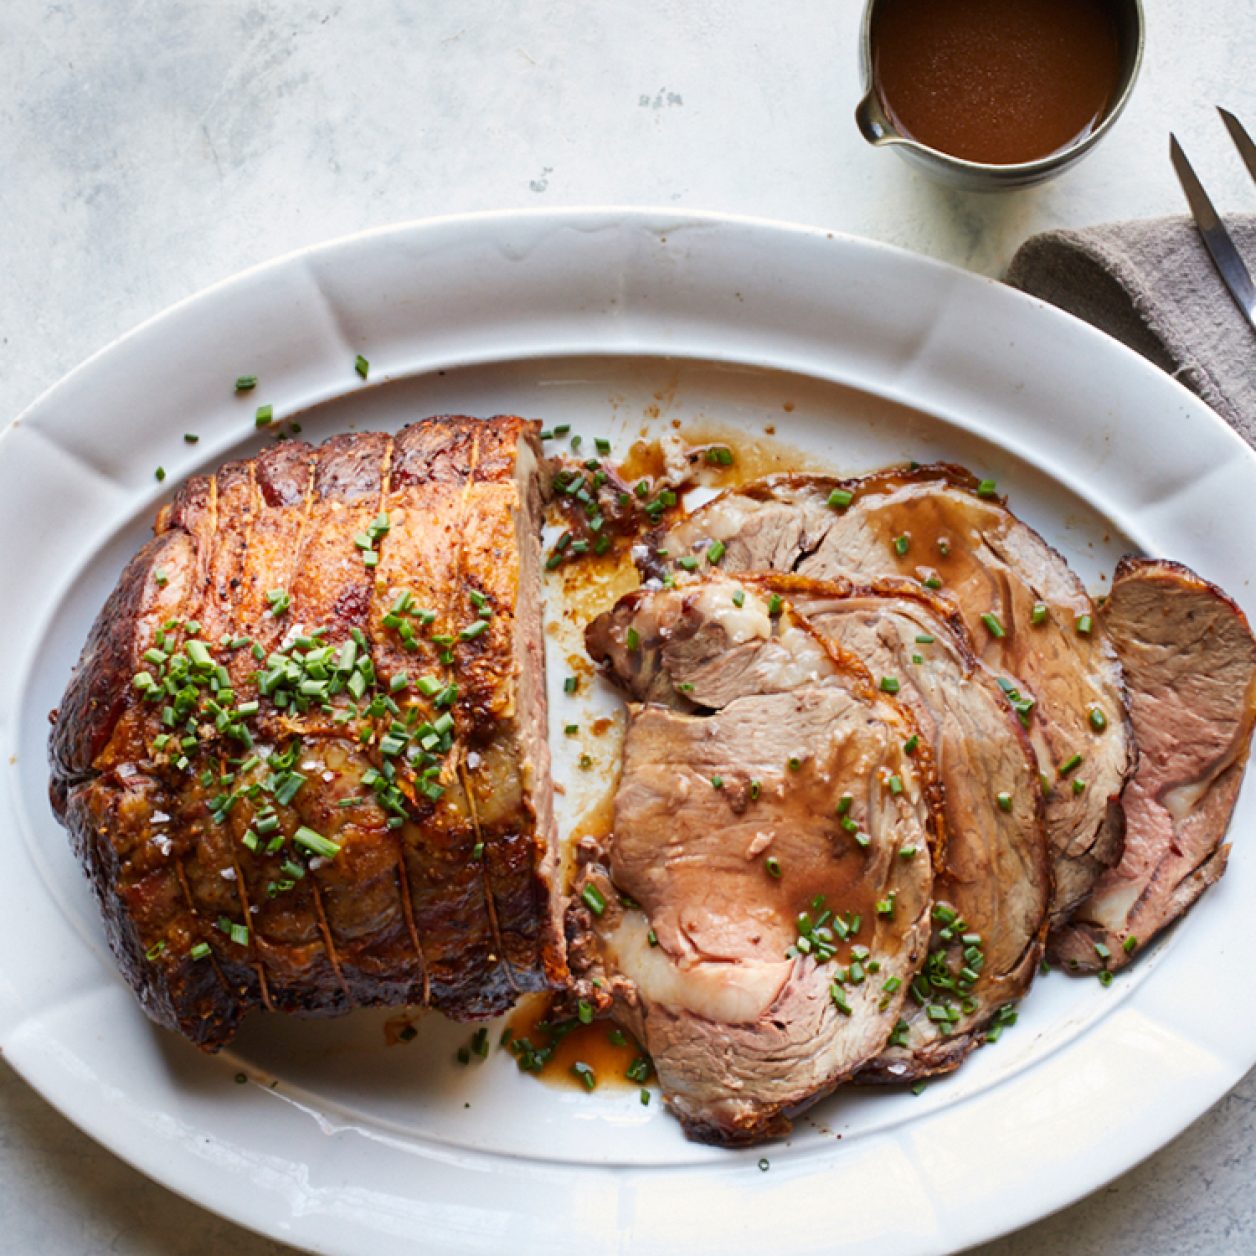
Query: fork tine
[
  {"x": 1242, "y": 140},
  {"x": 1213, "y": 232}
]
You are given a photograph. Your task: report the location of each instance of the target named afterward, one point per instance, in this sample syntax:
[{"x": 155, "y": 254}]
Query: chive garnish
[
  {"x": 889, "y": 684},
  {"x": 1098, "y": 721},
  {"x": 1084, "y": 625},
  {"x": 362, "y": 366},
  {"x": 264, "y": 416},
  {"x": 993, "y": 626},
  {"x": 773, "y": 866},
  {"x": 1039, "y": 614},
  {"x": 1071, "y": 764},
  {"x": 632, "y": 640},
  {"x": 594, "y": 899},
  {"x": 159, "y": 474},
  {"x": 1004, "y": 800},
  {"x": 987, "y": 488},
  {"x": 715, "y": 553},
  {"x": 840, "y": 498},
  {"x": 316, "y": 842},
  {"x": 902, "y": 544}
]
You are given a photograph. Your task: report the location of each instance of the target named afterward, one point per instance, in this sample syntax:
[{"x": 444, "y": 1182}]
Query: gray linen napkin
[{"x": 1152, "y": 285}]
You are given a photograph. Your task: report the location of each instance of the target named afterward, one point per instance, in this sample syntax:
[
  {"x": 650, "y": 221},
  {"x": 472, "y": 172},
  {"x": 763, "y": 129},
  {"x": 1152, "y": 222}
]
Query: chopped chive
[
  {"x": 200, "y": 950},
  {"x": 602, "y": 444},
  {"x": 1130, "y": 945},
  {"x": 739, "y": 599},
  {"x": 992, "y": 625},
  {"x": 987, "y": 488},
  {"x": 1071, "y": 764},
  {"x": 932, "y": 582},
  {"x": 774, "y": 605},
  {"x": 1004, "y": 800},
  {"x": 715, "y": 553},
  {"x": 1105, "y": 977},
  {"x": 896, "y": 785},
  {"x": 316, "y": 842},
  {"x": 1098, "y": 721},
  {"x": 1079, "y": 786},
  {"x": 755, "y": 788},
  {"x": 245, "y": 383},
  {"x": 717, "y": 782},
  {"x": 471, "y": 631},
  {"x": 264, "y": 416},
  {"x": 688, "y": 562},
  {"x": 571, "y": 684},
  {"x": 793, "y": 763},
  {"x": 571, "y": 729},
  {"x": 632, "y": 640},
  {"x": 889, "y": 684},
  {"x": 190, "y": 438},
  {"x": 645, "y": 1097},
  {"x": 719, "y": 456},
  {"x": 902, "y": 544},
  {"x": 773, "y": 866},
  {"x": 1039, "y": 614},
  {"x": 910, "y": 745},
  {"x": 844, "y": 804},
  {"x": 362, "y": 366},
  {"x": 907, "y": 852},
  {"x": 594, "y": 899},
  {"x": 840, "y": 498},
  {"x": 923, "y": 638},
  {"x": 159, "y": 474},
  {"x": 1084, "y": 625}
]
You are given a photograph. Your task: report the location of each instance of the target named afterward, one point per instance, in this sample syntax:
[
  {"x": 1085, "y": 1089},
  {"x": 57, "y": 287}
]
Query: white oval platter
[{"x": 613, "y": 321}]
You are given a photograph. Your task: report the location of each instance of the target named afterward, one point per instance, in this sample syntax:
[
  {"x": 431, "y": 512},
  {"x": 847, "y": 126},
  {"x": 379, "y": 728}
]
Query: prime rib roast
[
  {"x": 882, "y": 751},
  {"x": 1190, "y": 670},
  {"x": 1031, "y": 620},
  {"x": 303, "y": 757},
  {"x": 769, "y": 854}
]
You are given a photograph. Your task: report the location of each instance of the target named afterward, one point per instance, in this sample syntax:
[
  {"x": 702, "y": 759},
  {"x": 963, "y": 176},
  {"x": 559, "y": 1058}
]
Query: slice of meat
[
  {"x": 1190, "y": 674},
  {"x": 995, "y": 875},
  {"x": 1033, "y": 622},
  {"x": 303, "y": 758},
  {"x": 767, "y": 792}
]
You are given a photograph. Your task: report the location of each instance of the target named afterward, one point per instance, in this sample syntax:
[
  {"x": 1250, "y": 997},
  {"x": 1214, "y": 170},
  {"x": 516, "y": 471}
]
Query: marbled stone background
[{"x": 149, "y": 148}]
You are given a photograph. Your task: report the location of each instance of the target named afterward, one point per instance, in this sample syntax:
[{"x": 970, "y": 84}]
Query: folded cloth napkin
[{"x": 1152, "y": 285}]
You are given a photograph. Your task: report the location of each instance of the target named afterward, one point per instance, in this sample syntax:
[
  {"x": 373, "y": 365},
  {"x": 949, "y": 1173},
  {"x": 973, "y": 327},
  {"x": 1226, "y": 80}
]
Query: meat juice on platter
[{"x": 880, "y": 752}]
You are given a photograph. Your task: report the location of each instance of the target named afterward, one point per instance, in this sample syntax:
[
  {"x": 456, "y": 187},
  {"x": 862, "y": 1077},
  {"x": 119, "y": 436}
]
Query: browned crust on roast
[{"x": 400, "y": 916}]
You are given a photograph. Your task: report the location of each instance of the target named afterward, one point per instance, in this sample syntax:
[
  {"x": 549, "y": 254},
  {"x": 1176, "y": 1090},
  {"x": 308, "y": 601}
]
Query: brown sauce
[
  {"x": 601, "y": 1046},
  {"x": 998, "y": 81}
]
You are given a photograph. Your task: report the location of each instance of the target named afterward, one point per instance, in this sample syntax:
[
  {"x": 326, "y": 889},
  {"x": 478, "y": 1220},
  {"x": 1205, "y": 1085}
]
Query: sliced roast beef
[
  {"x": 303, "y": 756},
  {"x": 1190, "y": 673},
  {"x": 763, "y": 903},
  {"x": 1032, "y": 620},
  {"x": 992, "y": 887}
]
